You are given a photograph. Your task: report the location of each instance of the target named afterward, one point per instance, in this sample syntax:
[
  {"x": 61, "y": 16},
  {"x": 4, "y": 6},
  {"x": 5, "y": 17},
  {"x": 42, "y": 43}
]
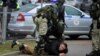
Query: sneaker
[{"x": 13, "y": 43}]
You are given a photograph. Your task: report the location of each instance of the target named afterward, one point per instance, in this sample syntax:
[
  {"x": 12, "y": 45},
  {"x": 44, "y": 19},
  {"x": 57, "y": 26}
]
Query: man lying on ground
[{"x": 54, "y": 48}]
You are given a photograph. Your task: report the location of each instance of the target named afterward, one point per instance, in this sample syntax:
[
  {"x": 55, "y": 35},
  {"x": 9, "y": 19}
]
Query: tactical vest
[{"x": 59, "y": 18}]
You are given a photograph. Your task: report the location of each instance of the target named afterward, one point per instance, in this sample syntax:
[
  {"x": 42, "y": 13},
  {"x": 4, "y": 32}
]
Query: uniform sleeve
[{"x": 61, "y": 13}]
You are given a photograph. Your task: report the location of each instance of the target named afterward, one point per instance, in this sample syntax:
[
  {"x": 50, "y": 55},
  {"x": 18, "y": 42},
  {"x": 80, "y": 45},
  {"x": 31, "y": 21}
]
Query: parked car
[
  {"x": 21, "y": 22},
  {"x": 81, "y": 4},
  {"x": 78, "y": 22}
]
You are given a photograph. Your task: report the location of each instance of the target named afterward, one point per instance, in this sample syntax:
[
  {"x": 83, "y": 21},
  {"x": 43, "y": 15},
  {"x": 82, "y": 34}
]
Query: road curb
[{"x": 10, "y": 53}]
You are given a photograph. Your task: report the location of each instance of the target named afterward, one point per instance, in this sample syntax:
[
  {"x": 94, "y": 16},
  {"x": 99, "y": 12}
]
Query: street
[
  {"x": 76, "y": 48},
  {"x": 21, "y": 21},
  {"x": 79, "y": 47}
]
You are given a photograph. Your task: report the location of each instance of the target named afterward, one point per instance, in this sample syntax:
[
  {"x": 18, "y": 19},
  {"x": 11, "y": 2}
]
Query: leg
[
  {"x": 40, "y": 44},
  {"x": 14, "y": 43},
  {"x": 49, "y": 32},
  {"x": 23, "y": 48},
  {"x": 94, "y": 40},
  {"x": 58, "y": 35},
  {"x": 37, "y": 36},
  {"x": 60, "y": 30}
]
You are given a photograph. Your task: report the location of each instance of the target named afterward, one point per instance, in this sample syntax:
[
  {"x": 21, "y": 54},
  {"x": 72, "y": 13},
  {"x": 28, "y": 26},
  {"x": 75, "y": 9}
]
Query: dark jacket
[{"x": 52, "y": 48}]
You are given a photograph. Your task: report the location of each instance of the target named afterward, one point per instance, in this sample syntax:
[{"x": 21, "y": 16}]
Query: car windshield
[{"x": 27, "y": 7}]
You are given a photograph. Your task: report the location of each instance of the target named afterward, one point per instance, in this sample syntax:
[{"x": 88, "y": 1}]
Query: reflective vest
[{"x": 18, "y": 6}]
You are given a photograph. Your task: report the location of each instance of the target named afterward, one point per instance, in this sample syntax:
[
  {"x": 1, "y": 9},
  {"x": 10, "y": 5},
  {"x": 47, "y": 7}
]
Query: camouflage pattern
[
  {"x": 94, "y": 8},
  {"x": 95, "y": 36},
  {"x": 95, "y": 33},
  {"x": 55, "y": 20},
  {"x": 50, "y": 21},
  {"x": 41, "y": 25}
]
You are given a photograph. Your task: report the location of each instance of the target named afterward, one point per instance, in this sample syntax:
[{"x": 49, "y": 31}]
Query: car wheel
[
  {"x": 74, "y": 36},
  {"x": 89, "y": 35}
]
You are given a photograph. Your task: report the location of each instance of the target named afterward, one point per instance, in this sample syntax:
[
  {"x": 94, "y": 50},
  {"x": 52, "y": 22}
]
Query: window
[
  {"x": 72, "y": 11},
  {"x": 79, "y": 0},
  {"x": 27, "y": 7}
]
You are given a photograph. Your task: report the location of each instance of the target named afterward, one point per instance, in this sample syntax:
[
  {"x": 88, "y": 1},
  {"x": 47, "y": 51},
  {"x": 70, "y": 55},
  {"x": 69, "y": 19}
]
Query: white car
[{"x": 21, "y": 22}]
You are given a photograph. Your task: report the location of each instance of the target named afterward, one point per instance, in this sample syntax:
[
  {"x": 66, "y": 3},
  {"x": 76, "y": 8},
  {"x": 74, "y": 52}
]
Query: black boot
[
  {"x": 93, "y": 53},
  {"x": 13, "y": 43}
]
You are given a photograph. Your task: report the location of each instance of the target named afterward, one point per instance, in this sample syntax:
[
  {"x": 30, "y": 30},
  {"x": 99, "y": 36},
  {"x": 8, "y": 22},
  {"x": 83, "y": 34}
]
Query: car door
[{"x": 75, "y": 21}]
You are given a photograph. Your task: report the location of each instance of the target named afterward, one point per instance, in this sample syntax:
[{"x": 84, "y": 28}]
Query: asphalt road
[
  {"x": 79, "y": 47},
  {"x": 76, "y": 47}
]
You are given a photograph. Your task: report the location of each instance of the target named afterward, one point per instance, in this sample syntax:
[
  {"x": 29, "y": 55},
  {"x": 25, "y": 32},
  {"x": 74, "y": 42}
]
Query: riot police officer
[
  {"x": 94, "y": 8},
  {"x": 41, "y": 28},
  {"x": 55, "y": 26},
  {"x": 57, "y": 18}
]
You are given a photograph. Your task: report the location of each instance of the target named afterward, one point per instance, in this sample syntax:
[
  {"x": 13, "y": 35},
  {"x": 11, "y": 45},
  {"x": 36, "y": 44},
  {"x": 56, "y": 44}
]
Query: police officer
[
  {"x": 41, "y": 28},
  {"x": 94, "y": 8},
  {"x": 55, "y": 26},
  {"x": 57, "y": 18}
]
